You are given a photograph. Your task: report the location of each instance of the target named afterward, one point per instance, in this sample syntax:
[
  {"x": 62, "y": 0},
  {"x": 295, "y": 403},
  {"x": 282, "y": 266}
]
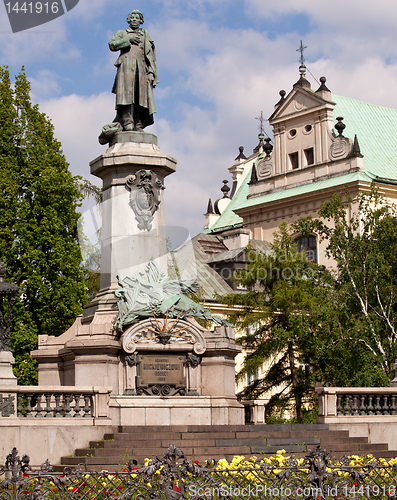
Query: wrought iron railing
[{"x": 315, "y": 476}]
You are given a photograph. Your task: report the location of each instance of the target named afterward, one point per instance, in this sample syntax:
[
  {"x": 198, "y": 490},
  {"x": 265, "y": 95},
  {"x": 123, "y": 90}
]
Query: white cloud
[{"x": 78, "y": 121}]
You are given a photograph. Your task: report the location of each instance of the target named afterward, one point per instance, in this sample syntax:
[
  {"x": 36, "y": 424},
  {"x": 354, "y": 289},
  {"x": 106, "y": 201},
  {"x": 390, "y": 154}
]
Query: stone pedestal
[
  {"x": 132, "y": 231},
  {"x": 6, "y": 375}
]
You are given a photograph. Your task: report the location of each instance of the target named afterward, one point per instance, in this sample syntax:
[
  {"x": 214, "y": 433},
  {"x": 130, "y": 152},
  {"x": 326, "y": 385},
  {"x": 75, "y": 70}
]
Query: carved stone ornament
[
  {"x": 264, "y": 169},
  {"x": 7, "y": 406},
  {"x": 145, "y": 190},
  {"x": 131, "y": 359},
  {"x": 193, "y": 360},
  {"x": 340, "y": 148},
  {"x": 155, "y": 334},
  {"x": 152, "y": 293}
]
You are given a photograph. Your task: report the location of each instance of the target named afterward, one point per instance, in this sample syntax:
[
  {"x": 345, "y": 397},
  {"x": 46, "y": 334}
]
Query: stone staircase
[{"x": 200, "y": 442}]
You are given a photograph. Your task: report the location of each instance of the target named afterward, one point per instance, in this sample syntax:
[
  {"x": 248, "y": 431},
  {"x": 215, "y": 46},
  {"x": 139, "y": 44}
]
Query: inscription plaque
[{"x": 158, "y": 371}]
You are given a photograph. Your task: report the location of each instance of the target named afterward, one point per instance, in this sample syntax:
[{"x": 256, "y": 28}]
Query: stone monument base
[
  {"x": 93, "y": 354},
  {"x": 6, "y": 375},
  {"x": 183, "y": 410}
]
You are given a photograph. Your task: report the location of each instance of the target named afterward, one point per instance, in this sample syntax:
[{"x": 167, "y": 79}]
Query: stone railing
[
  {"x": 54, "y": 402},
  {"x": 337, "y": 402}
]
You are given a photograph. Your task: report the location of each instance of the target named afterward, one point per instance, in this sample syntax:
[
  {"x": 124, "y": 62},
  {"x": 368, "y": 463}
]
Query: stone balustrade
[
  {"x": 341, "y": 402},
  {"x": 54, "y": 402}
]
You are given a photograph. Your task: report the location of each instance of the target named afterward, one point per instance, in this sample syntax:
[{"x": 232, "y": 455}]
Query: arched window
[{"x": 308, "y": 243}]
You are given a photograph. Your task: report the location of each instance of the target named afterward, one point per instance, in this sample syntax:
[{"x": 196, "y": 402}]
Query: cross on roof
[
  {"x": 261, "y": 120},
  {"x": 301, "y": 49}
]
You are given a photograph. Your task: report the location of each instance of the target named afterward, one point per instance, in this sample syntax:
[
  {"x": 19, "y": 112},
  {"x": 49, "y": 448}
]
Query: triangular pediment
[{"x": 298, "y": 100}]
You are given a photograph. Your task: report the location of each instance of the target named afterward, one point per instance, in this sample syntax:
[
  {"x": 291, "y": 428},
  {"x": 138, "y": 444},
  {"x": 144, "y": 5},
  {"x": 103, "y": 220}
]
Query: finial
[
  {"x": 259, "y": 147},
  {"x": 225, "y": 189},
  {"x": 241, "y": 156},
  {"x": 323, "y": 86},
  {"x": 340, "y": 127},
  {"x": 210, "y": 209},
  {"x": 267, "y": 148},
  {"x": 282, "y": 97},
  {"x": 356, "y": 148},
  {"x": 302, "y": 82}
]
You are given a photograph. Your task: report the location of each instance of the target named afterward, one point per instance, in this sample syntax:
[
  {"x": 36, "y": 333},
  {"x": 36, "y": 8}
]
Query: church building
[{"x": 323, "y": 144}]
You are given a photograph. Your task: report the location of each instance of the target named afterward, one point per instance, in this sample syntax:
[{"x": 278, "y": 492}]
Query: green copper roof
[{"x": 375, "y": 127}]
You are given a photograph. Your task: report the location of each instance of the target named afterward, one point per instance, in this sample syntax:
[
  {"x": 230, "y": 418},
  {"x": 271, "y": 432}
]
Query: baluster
[
  {"x": 339, "y": 409},
  {"x": 348, "y": 406},
  {"x": 355, "y": 406},
  {"x": 385, "y": 407},
  {"x": 19, "y": 406},
  {"x": 67, "y": 409},
  {"x": 39, "y": 409},
  {"x": 48, "y": 408},
  {"x": 29, "y": 405},
  {"x": 370, "y": 406},
  {"x": 378, "y": 407},
  {"x": 77, "y": 408},
  {"x": 363, "y": 409},
  {"x": 57, "y": 408},
  {"x": 87, "y": 406},
  {"x": 393, "y": 405}
]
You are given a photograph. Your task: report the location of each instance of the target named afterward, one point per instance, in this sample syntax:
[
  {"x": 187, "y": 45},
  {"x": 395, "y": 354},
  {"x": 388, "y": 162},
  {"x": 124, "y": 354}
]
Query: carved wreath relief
[{"x": 145, "y": 190}]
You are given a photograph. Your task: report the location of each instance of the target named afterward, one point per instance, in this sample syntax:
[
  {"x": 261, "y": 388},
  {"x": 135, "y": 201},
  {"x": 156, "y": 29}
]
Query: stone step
[
  {"x": 280, "y": 442},
  {"x": 214, "y": 442},
  {"x": 225, "y": 428}
]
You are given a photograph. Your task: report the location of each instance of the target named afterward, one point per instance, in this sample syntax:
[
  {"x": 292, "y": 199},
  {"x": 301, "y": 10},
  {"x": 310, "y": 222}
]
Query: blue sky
[{"x": 220, "y": 63}]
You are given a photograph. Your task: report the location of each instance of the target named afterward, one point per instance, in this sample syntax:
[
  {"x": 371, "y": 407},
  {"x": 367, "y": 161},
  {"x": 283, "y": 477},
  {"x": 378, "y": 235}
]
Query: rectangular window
[
  {"x": 309, "y": 156},
  {"x": 294, "y": 160}
]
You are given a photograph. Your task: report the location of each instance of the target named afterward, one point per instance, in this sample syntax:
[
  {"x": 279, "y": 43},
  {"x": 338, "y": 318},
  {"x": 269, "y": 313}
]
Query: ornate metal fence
[{"x": 173, "y": 477}]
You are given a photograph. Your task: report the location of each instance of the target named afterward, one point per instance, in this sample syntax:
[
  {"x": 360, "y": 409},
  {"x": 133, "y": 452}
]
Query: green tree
[
  {"x": 39, "y": 220},
  {"x": 274, "y": 313},
  {"x": 362, "y": 240}
]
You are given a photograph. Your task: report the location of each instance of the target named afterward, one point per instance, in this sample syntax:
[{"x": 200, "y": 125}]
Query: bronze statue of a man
[{"x": 136, "y": 75}]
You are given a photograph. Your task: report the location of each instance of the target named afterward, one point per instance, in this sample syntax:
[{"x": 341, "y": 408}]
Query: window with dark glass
[
  {"x": 308, "y": 243},
  {"x": 309, "y": 156},
  {"x": 294, "y": 160}
]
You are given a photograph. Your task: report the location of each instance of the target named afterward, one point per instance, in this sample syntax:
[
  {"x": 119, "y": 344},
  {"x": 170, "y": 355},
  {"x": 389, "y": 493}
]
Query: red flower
[
  {"x": 177, "y": 488},
  {"x": 356, "y": 485},
  {"x": 125, "y": 470},
  {"x": 196, "y": 462},
  {"x": 25, "y": 475},
  {"x": 120, "y": 487}
]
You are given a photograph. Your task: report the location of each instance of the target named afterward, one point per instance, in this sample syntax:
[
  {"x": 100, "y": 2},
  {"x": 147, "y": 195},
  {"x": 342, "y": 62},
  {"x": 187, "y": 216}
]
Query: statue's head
[{"x": 133, "y": 14}]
